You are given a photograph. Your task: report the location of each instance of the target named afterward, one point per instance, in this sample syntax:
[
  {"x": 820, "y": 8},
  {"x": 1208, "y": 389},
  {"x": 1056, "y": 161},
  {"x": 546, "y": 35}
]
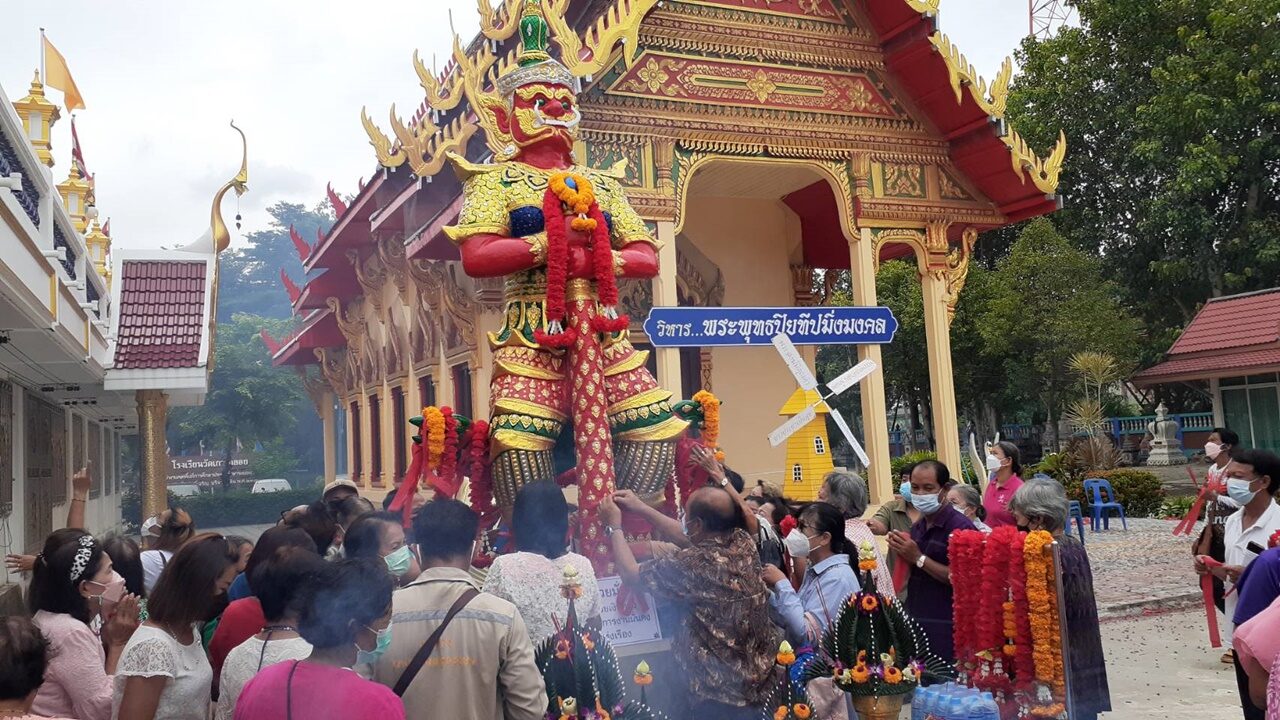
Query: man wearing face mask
[
  {"x": 897, "y": 515},
  {"x": 1253, "y": 478},
  {"x": 726, "y": 644},
  {"x": 482, "y": 665},
  {"x": 925, "y": 548}
]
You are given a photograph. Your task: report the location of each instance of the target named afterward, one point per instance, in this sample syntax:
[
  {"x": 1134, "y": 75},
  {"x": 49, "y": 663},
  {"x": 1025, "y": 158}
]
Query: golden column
[
  {"x": 153, "y": 455},
  {"x": 38, "y": 116},
  {"x": 942, "y": 276},
  {"x": 327, "y": 420},
  {"x": 875, "y": 416}
]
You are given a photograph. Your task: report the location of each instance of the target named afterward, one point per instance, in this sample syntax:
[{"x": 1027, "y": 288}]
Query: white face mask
[
  {"x": 1239, "y": 491},
  {"x": 993, "y": 462},
  {"x": 1211, "y": 450},
  {"x": 927, "y": 504},
  {"x": 797, "y": 543}
]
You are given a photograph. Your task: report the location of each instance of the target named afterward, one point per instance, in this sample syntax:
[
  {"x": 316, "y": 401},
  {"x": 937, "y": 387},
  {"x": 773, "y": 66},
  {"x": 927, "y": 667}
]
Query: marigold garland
[
  {"x": 477, "y": 442},
  {"x": 447, "y": 482},
  {"x": 573, "y": 192},
  {"x": 1023, "y": 660},
  {"x": 433, "y": 435},
  {"x": 1046, "y": 648},
  {"x": 710, "y": 421}
]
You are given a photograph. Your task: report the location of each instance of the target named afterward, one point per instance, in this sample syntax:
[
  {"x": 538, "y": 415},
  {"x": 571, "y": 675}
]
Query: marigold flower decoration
[
  {"x": 801, "y": 711},
  {"x": 1046, "y": 652},
  {"x": 710, "y": 421},
  {"x": 786, "y": 655},
  {"x": 433, "y": 422},
  {"x": 780, "y": 713},
  {"x": 869, "y": 603},
  {"x": 861, "y": 673},
  {"x": 892, "y": 675}
]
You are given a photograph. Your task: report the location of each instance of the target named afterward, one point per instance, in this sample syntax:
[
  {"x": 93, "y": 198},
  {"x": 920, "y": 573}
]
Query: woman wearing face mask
[
  {"x": 530, "y": 578},
  {"x": 1002, "y": 483},
  {"x": 968, "y": 501},
  {"x": 163, "y": 673},
  {"x": 73, "y": 582},
  {"x": 829, "y": 580},
  {"x": 346, "y": 616},
  {"x": 277, "y": 583},
  {"x": 380, "y": 536},
  {"x": 1042, "y": 505},
  {"x": 1219, "y": 506}
]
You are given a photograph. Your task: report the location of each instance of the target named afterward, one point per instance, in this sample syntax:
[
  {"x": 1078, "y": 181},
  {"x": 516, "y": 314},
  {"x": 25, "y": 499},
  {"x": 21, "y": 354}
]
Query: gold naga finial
[
  {"x": 618, "y": 24},
  {"x": 239, "y": 183}
]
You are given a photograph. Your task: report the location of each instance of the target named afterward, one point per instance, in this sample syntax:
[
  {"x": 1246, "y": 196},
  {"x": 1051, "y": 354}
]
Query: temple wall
[{"x": 751, "y": 240}]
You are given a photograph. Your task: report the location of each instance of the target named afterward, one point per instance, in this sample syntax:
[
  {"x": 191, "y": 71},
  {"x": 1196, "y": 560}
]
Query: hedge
[
  {"x": 1139, "y": 491},
  {"x": 239, "y": 507}
]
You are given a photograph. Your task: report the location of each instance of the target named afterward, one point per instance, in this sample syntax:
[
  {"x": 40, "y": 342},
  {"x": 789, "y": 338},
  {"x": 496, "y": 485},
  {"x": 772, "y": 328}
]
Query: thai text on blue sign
[{"x": 708, "y": 326}]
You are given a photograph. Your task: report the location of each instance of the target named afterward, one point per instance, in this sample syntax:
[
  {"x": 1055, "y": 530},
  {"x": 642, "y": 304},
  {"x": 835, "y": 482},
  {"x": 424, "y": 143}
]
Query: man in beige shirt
[{"x": 483, "y": 667}]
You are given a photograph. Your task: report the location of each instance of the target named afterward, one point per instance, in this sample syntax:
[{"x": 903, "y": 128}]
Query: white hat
[
  {"x": 151, "y": 526},
  {"x": 340, "y": 482}
]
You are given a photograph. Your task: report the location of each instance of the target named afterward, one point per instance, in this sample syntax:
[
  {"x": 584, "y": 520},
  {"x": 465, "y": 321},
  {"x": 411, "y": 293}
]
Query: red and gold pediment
[{"x": 684, "y": 78}]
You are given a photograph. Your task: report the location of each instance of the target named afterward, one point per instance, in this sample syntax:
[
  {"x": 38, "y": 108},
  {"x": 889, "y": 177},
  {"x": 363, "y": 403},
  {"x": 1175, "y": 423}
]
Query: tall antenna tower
[{"x": 1046, "y": 16}]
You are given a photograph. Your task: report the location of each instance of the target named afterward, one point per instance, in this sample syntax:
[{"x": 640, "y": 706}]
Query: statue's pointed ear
[{"x": 501, "y": 118}]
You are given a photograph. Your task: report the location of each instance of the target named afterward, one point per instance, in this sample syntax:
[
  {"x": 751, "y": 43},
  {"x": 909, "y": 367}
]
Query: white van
[
  {"x": 184, "y": 490},
  {"x": 271, "y": 485}
]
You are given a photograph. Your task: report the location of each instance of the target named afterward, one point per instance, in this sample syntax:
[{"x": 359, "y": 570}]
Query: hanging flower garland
[
  {"x": 433, "y": 435},
  {"x": 572, "y": 192},
  {"x": 477, "y": 443},
  {"x": 966, "y": 560},
  {"x": 1046, "y": 648},
  {"x": 447, "y": 483},
  {"x": 1023, "y": 658},
  {"x": 710, "y": 422}
]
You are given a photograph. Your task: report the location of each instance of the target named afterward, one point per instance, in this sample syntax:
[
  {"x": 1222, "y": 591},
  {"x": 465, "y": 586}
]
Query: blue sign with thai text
[{"x": 827, "y": 325}]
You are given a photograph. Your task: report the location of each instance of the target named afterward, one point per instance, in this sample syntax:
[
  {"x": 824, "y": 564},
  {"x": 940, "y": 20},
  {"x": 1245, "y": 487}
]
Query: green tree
[
  {"x": 249, "y": 277},
  {"x": 1050, "y": 301},
  {"x": 249, "y": 401},
  {"x": 1171, "y": 110}
]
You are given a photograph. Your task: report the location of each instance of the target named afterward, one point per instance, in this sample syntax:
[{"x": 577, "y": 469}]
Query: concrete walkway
[{"x": 1142, "y": 569}]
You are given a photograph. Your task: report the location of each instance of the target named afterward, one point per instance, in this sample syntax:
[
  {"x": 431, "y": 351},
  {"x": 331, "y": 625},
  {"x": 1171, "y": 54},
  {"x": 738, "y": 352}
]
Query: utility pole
[{"x": 1044, "y": 17}]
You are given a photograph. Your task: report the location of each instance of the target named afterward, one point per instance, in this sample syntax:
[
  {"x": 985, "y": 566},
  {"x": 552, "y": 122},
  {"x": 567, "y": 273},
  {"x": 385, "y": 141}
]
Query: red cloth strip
[{"x": 1210, "y": 610}]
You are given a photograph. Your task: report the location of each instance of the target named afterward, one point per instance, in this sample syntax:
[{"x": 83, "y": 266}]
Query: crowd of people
[{"x": 341, "y": 611}]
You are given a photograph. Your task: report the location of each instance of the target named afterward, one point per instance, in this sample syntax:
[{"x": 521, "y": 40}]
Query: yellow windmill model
[{"x": 808, "y": 449}]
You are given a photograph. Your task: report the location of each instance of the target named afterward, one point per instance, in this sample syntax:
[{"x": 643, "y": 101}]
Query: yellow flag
[{"x": 56, "y": 75}]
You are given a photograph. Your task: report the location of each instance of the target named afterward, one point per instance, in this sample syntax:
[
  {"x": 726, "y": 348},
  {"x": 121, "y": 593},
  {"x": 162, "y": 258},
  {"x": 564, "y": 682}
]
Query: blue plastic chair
[
  {"x": 1104, "y": 499},
  {"x": 1075, "y": 513}
]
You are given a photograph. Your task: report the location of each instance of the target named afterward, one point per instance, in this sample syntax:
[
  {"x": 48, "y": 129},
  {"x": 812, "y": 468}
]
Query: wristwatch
[
  {"x": 920, "y": 561},
  {"x": 724, "y": 482},
  {"x": 609, "y": 530}
]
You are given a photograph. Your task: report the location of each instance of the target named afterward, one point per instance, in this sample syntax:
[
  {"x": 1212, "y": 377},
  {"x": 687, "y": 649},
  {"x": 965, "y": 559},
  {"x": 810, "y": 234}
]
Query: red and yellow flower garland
[
  {"x": 574, "y": 192},
  {"x": 433, "y": 435},
  {"x": 1045, "y": 631},
  {"x": 710, "y": 422},
  {"x": 991, "y": 675}
]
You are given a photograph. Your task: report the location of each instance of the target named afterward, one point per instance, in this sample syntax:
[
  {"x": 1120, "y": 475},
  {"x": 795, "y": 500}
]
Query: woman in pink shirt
[
  {"x": 1003, "y": 464},
  {"x": 1257, "y": 643},
  {"x": 347, "y": 619},
  {"x": 71, "y": 583}
]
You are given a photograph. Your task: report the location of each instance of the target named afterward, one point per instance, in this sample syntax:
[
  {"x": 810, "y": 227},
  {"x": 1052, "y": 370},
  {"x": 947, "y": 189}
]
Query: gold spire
[
  {"x": 99, "y": 246},
  {"x": 239, "y": 183},
  {"x": 75, "y": 198},
  {"x": 36, "y": 108}
]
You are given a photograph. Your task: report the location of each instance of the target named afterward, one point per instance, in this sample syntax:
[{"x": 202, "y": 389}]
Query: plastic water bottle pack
[{"x": 953, "y": 702}]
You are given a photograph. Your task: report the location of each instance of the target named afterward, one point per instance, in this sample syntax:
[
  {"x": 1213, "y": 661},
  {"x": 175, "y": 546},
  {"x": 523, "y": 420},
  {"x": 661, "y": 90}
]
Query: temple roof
[
  {"x": 1230, "y": 336},
  {"x": 161, "y": 314}
]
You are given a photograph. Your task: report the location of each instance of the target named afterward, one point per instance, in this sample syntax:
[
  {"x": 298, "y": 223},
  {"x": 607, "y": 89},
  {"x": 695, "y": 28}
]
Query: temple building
[
  {"x": 95, "y": 340},
  {"x": 760, "y": 141}
]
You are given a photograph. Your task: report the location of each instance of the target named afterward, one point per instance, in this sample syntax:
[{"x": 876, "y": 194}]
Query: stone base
[{"x": 1165, "y": 456}]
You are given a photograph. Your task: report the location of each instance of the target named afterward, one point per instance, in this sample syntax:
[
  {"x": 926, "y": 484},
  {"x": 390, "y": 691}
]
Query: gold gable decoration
[{"x": 422, "y": 144}]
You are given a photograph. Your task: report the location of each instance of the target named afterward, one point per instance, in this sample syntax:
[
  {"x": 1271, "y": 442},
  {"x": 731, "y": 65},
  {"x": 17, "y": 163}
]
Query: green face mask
[{"x": 399, "y": 561}]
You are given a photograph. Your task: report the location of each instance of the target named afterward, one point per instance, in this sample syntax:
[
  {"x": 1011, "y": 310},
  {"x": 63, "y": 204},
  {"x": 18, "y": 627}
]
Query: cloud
[{"x": 161, "y": 79}]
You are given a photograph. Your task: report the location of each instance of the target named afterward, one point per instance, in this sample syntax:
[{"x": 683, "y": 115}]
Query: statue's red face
[{"x": 544, "y": 115}]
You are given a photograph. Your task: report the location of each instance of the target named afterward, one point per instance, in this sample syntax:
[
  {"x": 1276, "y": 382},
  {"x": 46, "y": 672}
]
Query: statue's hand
[{"x": 581, "y": 262}]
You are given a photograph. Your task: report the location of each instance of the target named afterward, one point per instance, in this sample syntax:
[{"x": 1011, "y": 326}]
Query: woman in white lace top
[
  {"x": 163, "y": 673},
  {"x": 531, "y": 577}
]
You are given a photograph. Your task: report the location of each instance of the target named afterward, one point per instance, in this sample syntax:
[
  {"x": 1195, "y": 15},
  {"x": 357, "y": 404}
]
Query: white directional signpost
[{"x": 800, "y": 369}]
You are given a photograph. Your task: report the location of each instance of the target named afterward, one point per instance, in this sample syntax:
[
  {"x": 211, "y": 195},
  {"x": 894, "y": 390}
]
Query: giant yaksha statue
[{"x": 560, "y": 234}]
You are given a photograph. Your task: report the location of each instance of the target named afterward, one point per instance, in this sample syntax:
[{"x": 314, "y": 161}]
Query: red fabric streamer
[
  {"x": 409, "y": 487},
  {"x": 1210, "y": 610},
  {"x": 901, "y": 573},
  {"x": 1188, "y": 523}
]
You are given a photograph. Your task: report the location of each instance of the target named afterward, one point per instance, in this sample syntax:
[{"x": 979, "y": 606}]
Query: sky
[{"x": 161, "y": 79}]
